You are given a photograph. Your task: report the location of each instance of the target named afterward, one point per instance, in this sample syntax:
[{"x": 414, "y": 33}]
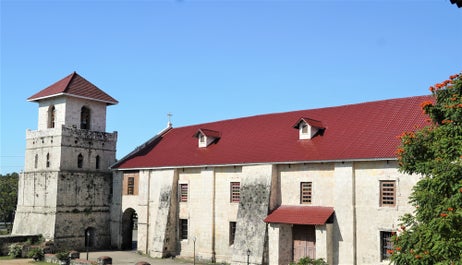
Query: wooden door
[{"x": 304, "y": 237}]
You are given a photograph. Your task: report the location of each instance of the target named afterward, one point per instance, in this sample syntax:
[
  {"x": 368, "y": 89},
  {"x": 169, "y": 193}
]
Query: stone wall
[{"x": 251, "y": 231}]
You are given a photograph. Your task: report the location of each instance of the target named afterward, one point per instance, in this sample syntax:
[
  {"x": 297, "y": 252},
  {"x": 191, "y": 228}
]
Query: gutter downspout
[
  {"x": 147, "y": 213},
  {"x": 214, "y": 258}
]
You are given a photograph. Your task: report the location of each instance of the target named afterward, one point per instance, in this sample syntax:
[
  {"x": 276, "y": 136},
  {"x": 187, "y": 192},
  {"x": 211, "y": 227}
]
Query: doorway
[
  {"x": 304, "y": 242},
  {"x": 129, "y": 229}
]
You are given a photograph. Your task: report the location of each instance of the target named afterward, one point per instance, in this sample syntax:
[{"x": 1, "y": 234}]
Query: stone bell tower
[{"x": 66, "y": 188}]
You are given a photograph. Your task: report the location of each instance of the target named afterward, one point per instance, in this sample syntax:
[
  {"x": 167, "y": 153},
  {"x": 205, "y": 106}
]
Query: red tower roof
[{"x": 74, "y": 85}]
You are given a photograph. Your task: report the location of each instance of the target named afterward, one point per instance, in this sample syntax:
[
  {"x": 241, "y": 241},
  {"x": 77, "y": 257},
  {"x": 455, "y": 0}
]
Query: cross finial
[{"x": 169, "y": 116}]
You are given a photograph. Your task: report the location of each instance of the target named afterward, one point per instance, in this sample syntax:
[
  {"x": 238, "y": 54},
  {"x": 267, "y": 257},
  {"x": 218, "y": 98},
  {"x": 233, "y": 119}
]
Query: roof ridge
[{"x": 72, "y": 76}]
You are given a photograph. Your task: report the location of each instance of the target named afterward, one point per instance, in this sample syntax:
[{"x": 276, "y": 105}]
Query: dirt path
[{"x": 16, "y": 262}]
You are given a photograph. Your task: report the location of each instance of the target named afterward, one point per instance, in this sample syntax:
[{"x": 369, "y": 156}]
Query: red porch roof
[
  {"x": 300, "y": 215},
  {"x": 365, "y": 131},
  {"x": 74, "y": 85}
]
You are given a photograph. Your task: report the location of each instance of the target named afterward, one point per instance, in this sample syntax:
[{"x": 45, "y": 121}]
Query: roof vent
[
  {"x": 206, "y": 137},
  {"x": 308, "y": 128}
]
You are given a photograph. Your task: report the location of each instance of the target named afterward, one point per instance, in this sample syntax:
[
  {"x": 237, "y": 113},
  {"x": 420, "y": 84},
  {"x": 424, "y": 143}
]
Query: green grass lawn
[{"x": 31, "y": 262}]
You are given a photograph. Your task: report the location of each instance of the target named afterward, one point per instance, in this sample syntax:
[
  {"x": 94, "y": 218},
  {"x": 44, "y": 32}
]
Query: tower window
[
  {"x": 36, "y": 161},
  {"x": 85, "y": 118},
  {"x": 48, "y": 159},
  {"x": 80, "y": 161},
  {"x": 51, "y": 116},
  {"x": 97, "y": 162}
]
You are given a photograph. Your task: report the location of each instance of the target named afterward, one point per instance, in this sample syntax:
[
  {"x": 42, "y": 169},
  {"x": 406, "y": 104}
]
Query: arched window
[
  {"x": 97, "y": 162},
  {"x": 36, "y": 161},
  {"x": 80, "y": 161},
  {"x": 85, "y": 118},
  {"x": 48, "y": 159},
  {"x": 51, "y": 116}
]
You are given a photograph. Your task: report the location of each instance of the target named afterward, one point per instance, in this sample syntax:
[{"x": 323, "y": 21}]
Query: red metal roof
[
  {"x": 74, "y": 85},
  {"x": 362, "y": 131},
  {"x": 300, "y": 215}
]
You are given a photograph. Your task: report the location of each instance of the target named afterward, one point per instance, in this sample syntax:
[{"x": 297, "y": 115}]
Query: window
[
  {"x": 232, "y": 232},
  {"x": 386, "y": 245},
  {"x": 183, "y": 228},
  {"x": 51, "y": 116},
  {"x": 80, "y": 161},
  {"x": 235, "y": 191},
  {"x": 48, "y": 160},
  {"x": 130, "y": 186},
  {"x": 97, "y": 162},
  {"x": 304, "y": 128},
  {"x": 36, "y": 161},
  {"x": 85, "y": 118},
  {"x": 183, "y": 192},
  {"x": 130, "y": 183},
  {"x": 387, "y": 193},
  {"x": 305, "y": 192}
]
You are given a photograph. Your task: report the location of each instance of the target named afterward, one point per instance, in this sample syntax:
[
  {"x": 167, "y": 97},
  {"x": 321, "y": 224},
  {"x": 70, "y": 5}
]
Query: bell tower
[{"x": 65, "y": 190}]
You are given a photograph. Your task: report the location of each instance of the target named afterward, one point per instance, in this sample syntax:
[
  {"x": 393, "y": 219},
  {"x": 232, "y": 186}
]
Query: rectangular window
[
  {"x": 305, "y": 192},
  {"x": 232, "y": 232},
  {"x": 235, "y": 191},
  {"x": 183, "y": 228},
  {"x": 183, "y": 192},
  {"x": 386, "y": 245},
  {"x": 387, "y": 193},
  {"x": 130, "y": 183},
  {"x": 131, "y": 186}
]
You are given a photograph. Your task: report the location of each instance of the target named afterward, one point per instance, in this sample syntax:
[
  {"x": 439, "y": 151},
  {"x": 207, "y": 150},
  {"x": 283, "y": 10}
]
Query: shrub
[
  {"x": 15, "y": 250},
  {"x": 63, "y": 255},
  {"x": 310, "y": 261},
  {"x": 36, "y": 253}
]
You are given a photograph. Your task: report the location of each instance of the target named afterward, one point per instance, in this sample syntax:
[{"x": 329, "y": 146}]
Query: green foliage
[
  {"x": 36, "y": 253},
  {"x": 432, "y": 234},
  {"x": 62, "y": 255},
  {"x": 309, "y": 261},
  {"x": 8, "y": 196},
  {"x": 15, "y": 250}
]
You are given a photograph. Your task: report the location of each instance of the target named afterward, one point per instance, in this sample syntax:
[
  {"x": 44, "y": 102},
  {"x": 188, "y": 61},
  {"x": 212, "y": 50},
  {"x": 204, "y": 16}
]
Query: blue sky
[{"x": 212, "y": 60}]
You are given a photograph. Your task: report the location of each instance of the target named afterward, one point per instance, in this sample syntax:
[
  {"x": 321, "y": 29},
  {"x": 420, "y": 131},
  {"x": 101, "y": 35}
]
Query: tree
[
  {"x": 8, "y": 197},
  {"x": 432, "y": 234}
]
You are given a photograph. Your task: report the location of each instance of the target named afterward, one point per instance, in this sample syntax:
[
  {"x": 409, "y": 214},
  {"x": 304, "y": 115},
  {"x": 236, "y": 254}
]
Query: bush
[
  {"x": 310, "y": 261},
  {"x": 15, "y": 251},
  {"x": 63, "y": 255},
  {"x": 36, "y": 253}
]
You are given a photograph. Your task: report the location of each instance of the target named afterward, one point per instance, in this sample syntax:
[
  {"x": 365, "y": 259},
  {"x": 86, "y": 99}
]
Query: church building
[{"x": 265, "y": 189}]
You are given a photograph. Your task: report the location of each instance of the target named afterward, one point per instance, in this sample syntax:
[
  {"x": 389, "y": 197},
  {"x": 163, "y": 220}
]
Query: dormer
[
  {"x": 206, "y": 137},
  {"x": 308, "y": 128}
]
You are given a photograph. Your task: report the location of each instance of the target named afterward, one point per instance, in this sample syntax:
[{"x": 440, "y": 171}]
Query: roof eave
[
  {"x": 72, "y": 95},
  {"x": 257, "y": 163}
]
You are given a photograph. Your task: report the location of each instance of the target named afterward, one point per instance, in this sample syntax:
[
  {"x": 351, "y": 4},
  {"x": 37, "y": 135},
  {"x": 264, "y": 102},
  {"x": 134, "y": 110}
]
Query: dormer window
[
  {"x": 308, "y": 128},
  {"x": 206, "y": 137}
]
